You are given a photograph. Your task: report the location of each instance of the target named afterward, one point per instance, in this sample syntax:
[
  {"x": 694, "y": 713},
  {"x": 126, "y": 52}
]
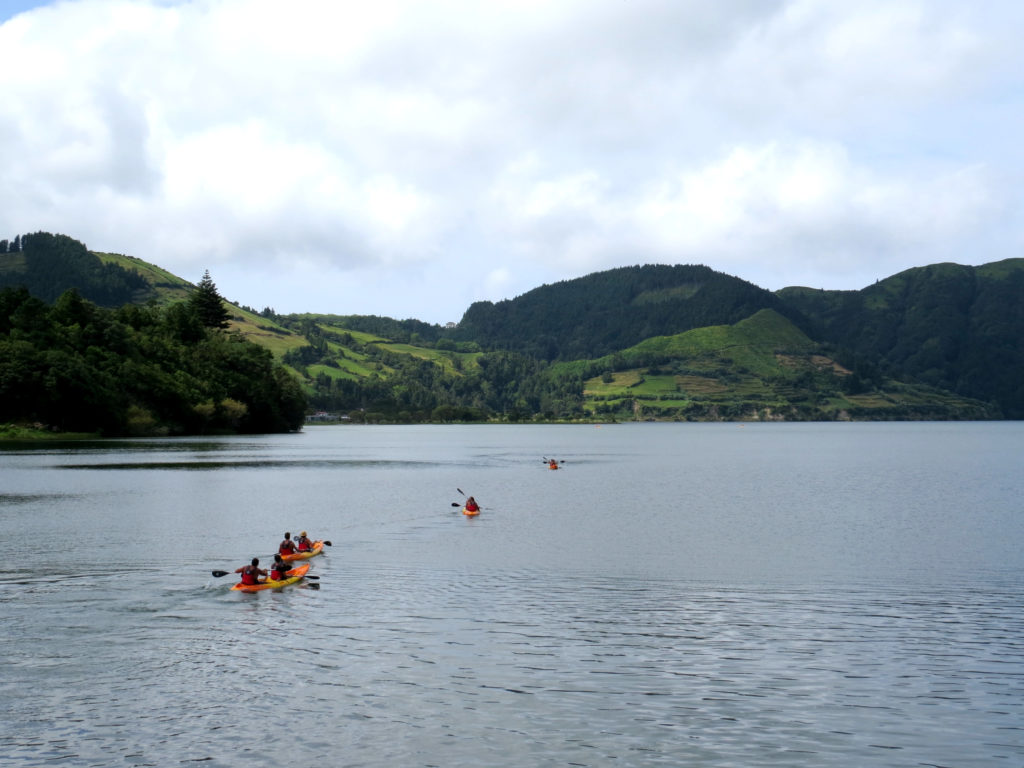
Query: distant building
[{"x": 326, "y": 416}]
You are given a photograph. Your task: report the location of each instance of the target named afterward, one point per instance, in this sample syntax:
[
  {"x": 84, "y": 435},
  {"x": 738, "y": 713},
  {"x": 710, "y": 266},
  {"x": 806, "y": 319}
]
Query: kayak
[
  {"x": 318, "y": 547},
  {"x": 295, "y": 575},
  {"x": 470, "y": 512}
]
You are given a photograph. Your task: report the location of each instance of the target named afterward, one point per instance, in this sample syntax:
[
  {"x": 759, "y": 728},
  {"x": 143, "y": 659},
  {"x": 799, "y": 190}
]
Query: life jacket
[
  {"x": 276, "y": 575},
  {"x": 472, "y": 506},
  {"x": 287, "y": 547},
  {"x": 305, "y": 545},
  {"x": 250, "y": 575}
]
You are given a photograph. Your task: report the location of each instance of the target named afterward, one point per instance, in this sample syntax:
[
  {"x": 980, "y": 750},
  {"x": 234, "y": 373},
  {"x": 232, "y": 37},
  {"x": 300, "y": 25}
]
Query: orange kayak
[
  {"x": 318, "y": 547},
  {"x": 470, "y": 512},
  {"x": 295, "y": 575}
]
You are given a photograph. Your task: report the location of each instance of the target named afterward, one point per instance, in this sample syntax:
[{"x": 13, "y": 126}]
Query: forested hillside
[
  {"x": 47, "y": 265},
  {"x": 661, "y": 342},
  {"x": 607, "y": 311},
  {"x": 75, "y": 367},
  {"x": 955, "y": 327}
]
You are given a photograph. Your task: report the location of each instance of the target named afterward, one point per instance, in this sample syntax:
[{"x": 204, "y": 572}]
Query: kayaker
[
  {"x": 251, "y": 573},
  {"x": 303, "y": 543},
  {"x": 278, "y": 569},
  {"x": 552, "y": 464},
  {"x": 471, "y": 505},
  {"x": 287, "y": 547}
]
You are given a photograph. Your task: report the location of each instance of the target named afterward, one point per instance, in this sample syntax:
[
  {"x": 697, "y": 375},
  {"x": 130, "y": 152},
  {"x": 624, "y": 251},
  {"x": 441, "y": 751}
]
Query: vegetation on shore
[
  {"x": 76, "y": 367},
  {"x": 652, "y": 342},
  {"x": 37, "y": 431}
]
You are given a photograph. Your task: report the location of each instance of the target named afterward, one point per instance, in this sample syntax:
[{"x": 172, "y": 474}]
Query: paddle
[
  {"x": 556, "y": 461},
  {"x": 456, "y": 504},
  {"x": 218, "y": 574}
]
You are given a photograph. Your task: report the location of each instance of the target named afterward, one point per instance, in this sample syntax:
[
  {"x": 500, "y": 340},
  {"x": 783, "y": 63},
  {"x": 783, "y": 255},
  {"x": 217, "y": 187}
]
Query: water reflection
[{"x": 190, "y": 466}]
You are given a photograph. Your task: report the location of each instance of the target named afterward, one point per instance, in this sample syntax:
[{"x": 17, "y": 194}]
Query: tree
[{"x": 208, "y": 304}]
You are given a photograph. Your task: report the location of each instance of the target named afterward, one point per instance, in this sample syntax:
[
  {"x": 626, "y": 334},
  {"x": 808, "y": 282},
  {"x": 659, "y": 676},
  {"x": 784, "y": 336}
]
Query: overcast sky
[{"x": 408, "y": 158}]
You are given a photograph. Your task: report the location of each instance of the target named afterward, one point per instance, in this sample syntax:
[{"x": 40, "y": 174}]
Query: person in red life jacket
[
  {"x": 251, "y": 573},
  {"x": 278, "y": 571},
  {"x": 286, "y": 547},
  {"x": 303, "y": 543},
  {"x": 471, "y": 505},
  {"x": 552, "y": 464}
]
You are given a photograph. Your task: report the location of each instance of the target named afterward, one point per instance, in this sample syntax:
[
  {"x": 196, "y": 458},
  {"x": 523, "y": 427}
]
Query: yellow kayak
[
  {"x": 318, "y": 547},
  {"x": 295, "y": 575}
]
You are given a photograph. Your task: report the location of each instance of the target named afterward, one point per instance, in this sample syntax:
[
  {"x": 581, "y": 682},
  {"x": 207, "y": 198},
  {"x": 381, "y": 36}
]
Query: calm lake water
[{"x": 676, "y": 594}]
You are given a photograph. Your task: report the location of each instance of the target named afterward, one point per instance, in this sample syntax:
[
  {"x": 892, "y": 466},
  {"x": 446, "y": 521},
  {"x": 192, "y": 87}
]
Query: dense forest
[
  {"x": 136, "y": 370},
  {"x": 955, "y": 327},
  {"x": 48, "y": 265},
  {"x": 509, "y": 385}
]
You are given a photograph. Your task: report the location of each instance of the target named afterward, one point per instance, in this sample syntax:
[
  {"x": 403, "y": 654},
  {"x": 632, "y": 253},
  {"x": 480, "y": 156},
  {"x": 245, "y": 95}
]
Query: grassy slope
[
  {"x": 760, "y": 368},
  {"x": 352, "y": 358},
  {"x": 168, "y": 288}
]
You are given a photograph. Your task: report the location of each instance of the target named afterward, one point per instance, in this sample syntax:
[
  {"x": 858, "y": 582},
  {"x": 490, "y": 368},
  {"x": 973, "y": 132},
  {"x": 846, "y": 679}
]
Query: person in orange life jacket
[
  {"x": 303, "y": 543},
  {"x": 471, "y": 505},
  {"x": 286, "y": 547},
  {"x": 251, "y": 573},
  {"x": 278, "y": 571},
  {"x": 553, "y": 464}
]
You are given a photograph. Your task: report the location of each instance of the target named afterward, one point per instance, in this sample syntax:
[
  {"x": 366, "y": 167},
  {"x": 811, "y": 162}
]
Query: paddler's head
[{"x": 255, "y": 561}]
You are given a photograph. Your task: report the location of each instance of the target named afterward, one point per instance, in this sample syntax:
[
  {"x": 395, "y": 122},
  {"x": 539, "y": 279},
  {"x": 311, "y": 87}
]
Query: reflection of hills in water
[
  {"x": 254, "y": 463},
  {"x": 27, "y": 498}
]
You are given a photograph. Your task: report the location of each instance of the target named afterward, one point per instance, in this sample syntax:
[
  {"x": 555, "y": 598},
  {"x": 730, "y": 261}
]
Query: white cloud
[
  {"x": 508, "y": 144},
  {"x": 797, "y": 202}
]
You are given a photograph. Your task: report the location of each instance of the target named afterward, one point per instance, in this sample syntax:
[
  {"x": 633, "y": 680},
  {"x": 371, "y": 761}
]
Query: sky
[{"x": 407, "y": 159}]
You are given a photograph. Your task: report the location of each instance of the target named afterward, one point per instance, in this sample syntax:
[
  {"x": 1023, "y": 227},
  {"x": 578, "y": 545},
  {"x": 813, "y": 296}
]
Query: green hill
[
  {"x": 48, "y": 265},
  {"x": 679, "y": 342},
  {"x": 950, "y": 326},
  {"x": 607, "y": 311}
]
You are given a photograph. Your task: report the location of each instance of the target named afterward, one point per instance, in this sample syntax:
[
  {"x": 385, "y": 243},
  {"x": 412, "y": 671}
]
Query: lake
[{"x": 675, "y": 594}]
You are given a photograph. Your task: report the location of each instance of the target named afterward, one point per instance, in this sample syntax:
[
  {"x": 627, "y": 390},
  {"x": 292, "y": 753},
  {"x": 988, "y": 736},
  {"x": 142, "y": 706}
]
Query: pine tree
[{"x": 208, "y": 304}]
